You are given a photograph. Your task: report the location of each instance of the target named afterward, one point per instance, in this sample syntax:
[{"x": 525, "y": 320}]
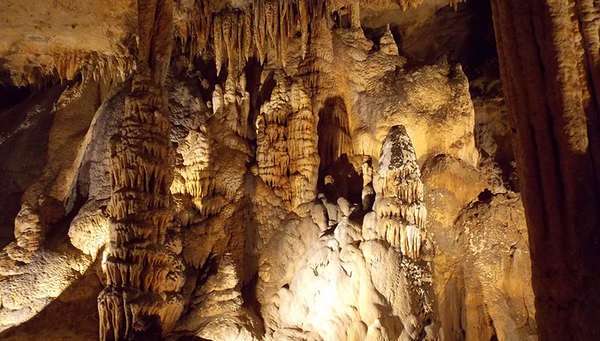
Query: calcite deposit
[{"x": 299, "y": 170}]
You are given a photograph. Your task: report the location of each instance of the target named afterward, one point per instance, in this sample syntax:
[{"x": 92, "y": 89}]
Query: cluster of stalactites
[
  {"x": 252, "y": 31},
  {"x": 238, "y": 33},
  {"x": 64, "y": 66},
  {"x": 142, "y": 263},
  {"x": 405, "y": 4},
  {"x": 286, "y": 135},
  {"x": 399, "y": 194}
]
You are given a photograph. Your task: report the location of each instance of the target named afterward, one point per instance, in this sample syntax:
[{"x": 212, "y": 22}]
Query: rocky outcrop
[{"x": 482, "y": 276}]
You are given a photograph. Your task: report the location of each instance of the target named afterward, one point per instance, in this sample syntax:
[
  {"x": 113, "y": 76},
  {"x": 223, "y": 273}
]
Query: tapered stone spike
[{"x": 400, "y": 194}]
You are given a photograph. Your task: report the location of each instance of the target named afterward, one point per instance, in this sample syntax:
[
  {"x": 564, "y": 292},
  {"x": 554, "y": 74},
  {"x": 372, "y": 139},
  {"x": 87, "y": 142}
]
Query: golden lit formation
[{"x": 299, "y": 170}]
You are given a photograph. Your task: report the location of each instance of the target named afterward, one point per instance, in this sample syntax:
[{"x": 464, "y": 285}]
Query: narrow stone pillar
[{"x": 144, "y": 270}]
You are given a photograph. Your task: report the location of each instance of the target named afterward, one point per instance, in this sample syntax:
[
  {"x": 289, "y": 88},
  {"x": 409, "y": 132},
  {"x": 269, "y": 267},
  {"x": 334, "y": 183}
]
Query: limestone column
[
  {"x": 549, "y": 58},
  {"x": 142, "y": 263}
]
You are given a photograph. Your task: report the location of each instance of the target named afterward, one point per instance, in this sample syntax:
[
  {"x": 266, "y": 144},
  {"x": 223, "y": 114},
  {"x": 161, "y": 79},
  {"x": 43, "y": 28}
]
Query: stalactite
[
  {"x": 218, "y": 42},
  {"x": 399, "y": 200},
  {"x": 248, "y": 43},
  {"x": 304, "y": 22},
  {"x": 253, "y": 30},
  {"x": 229, "y": 32}
]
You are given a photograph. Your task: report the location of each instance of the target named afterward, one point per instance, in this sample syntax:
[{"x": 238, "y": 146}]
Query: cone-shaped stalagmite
[{"x": 399, "y": 200}]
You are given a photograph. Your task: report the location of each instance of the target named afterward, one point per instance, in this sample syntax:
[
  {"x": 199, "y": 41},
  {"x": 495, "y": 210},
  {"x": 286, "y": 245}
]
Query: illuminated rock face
[
  {"x": 358, "y": 282},
  {"x": 399, "y": 194},
  {"x": 144, "y": 271},
  {"x": 257, "y": 170}
]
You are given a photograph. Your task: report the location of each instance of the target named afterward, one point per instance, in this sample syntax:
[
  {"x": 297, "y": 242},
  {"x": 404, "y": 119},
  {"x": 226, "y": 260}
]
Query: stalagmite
[
  {"x": 387, "y": 44},
  {"x": 302, "y": 147},
  {"x": 399, "y": 199}
]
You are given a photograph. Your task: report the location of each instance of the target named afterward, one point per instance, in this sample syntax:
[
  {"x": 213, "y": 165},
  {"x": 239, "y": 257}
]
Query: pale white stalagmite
[
  {"x": 399, "y": 200},
  {"x": 144, "y": 271}
]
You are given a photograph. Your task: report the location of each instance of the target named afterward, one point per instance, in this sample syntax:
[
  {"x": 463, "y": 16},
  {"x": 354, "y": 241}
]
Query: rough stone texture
[
  {"x": 482, "y": 276},
  {"x": 43, "y": 39},
  {"x": 257, "y": 170},
  {"x": 548, "y": 53}
]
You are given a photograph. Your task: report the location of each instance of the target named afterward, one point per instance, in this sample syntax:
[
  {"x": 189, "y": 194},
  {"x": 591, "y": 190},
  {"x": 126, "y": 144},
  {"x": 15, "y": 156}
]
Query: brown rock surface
[{"x": 549, "y": 66}]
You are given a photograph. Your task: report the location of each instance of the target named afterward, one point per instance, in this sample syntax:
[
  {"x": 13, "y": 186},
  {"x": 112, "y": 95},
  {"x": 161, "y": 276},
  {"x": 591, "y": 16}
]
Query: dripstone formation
[
  {"x": 144, "y": 271},
  {"x": 298, "y": 170}
]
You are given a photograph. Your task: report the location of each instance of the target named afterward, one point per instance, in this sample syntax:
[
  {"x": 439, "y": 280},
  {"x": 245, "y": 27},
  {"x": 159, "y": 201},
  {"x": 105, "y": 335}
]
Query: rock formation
[
  {"x": 551, "y": 84},
  {"x": 399, "y": 194},
  {"x": 144, "y": 272},
  {"x": 298, "y": 170}
]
